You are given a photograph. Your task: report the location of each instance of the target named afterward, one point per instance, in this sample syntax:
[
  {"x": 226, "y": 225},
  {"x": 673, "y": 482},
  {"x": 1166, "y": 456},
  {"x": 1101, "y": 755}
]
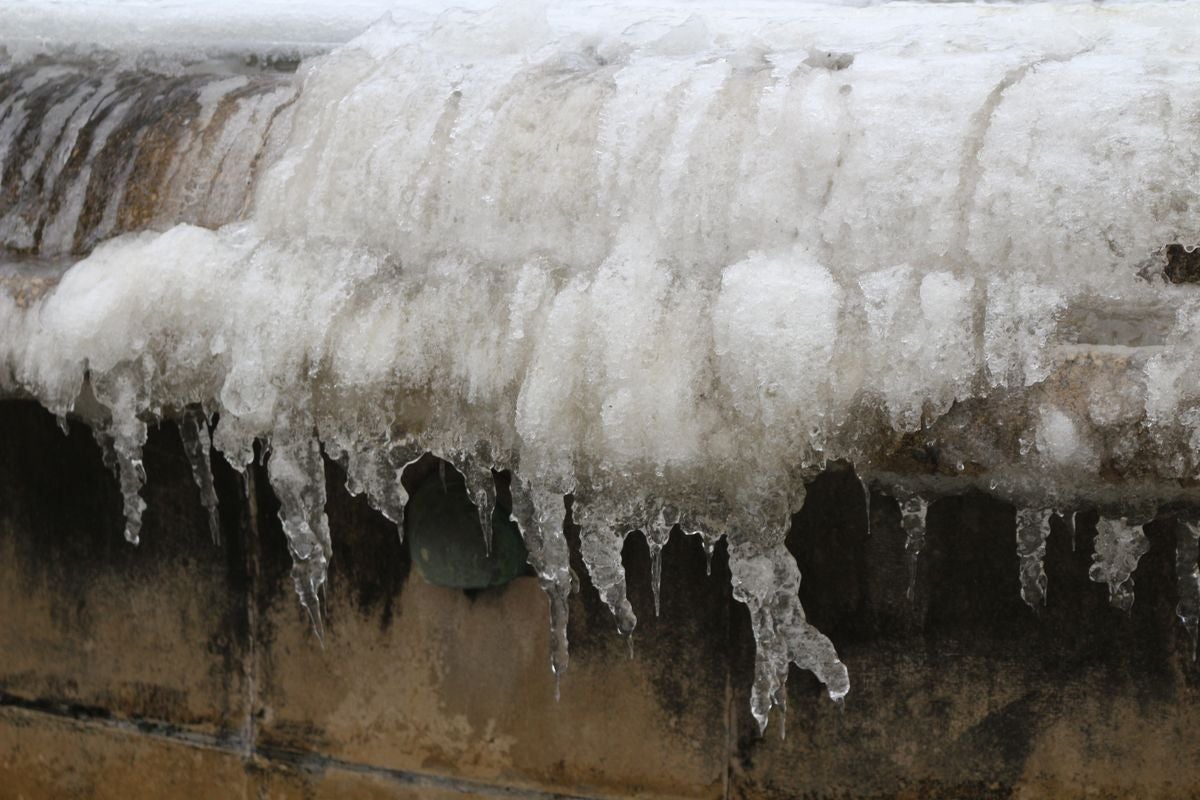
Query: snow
[{"x": 671, "y": 259}]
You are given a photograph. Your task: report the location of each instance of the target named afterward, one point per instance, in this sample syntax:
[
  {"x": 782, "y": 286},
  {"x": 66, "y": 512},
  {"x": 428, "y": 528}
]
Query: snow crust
[{"x": 672, "y": 260}]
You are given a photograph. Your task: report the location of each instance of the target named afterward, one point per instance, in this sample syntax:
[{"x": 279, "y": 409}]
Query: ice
[
  {"x": 912, "y": 519},
  {"x": 541, "y": 513},
  {"x": 1187, "y": 573},
  {"x": 767, "y": 580},
  {"x": 1119, "y": 546},
  {"x": 121, "y": 437},
  {"x": 1033, "y": 527},
  {"x": 671, "y": 259},
  {"x": 297, "y": 475},
  {"x": 197, "y": 446},
  {"x": 374, "y": 467},
  {"x": 603, "y": 530}
]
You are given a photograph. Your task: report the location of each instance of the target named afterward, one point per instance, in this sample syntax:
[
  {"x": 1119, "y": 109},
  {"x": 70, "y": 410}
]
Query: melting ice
[{"x": 669, "y": 259}]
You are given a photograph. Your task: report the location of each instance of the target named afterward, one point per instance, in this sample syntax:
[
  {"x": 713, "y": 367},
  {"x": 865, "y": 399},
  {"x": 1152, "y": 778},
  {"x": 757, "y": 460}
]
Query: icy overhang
[{"x": 670, "y": 261}]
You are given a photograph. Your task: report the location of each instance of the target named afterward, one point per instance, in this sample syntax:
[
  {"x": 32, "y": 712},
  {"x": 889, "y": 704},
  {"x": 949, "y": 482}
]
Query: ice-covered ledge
[{"x": 669, "y": 260}]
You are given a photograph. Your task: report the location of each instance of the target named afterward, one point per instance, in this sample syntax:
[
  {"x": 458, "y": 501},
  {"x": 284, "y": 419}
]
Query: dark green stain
[{"x": 447, "y": 545}]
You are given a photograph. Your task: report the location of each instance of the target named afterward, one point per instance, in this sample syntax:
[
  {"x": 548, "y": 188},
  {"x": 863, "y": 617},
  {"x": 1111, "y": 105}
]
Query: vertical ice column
[
  {"x": 1033, "y": 527},
  {"x": 658, "y": 533},
  {"x": 197, "y": 446},
  {"x": 1187, "y": 574},
  {"x": 375, "y": 468},
  {"x": 297, "y": 474},
  {"x": 541, "y": 513},
  {"x": 766, "y": 579},
  {"x": 602, "y": 537},
  {"x": 122, "y": 439},
  {"x": 913, "y": 508},
  {"x": 476, "y": 468},
  {"x": 1119, "y": 547}
]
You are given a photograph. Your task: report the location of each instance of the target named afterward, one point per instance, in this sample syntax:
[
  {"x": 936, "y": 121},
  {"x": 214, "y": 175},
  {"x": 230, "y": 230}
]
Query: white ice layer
[{"x": 673, "y": 260}]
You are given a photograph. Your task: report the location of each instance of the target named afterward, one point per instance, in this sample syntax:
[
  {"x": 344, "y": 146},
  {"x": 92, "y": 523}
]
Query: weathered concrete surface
[
  {"x": 417, "y": 677},
  {"x": 44, "y": 757},
  {"x": 181, "y": 669},
  {"x": 156, "y": 631}
]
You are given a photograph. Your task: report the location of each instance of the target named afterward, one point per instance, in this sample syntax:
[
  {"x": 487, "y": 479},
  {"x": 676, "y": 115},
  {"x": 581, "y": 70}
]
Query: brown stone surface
[
  {"x": 184, "y": 670},
  {"x": 151, "y": 631},
  {"x": 43, "y": 757}
]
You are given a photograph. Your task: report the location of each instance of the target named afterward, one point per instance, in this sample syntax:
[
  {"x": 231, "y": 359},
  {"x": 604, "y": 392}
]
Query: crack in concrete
[{"x": 233, "y": 744}]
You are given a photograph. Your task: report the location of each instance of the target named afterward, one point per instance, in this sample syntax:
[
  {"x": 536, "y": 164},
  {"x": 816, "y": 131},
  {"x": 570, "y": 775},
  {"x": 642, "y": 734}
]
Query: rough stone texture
[
  {"x": 46, "y": 757},
  {"x": 180, "y": 669},
  {"x": 157, "y": 631}
]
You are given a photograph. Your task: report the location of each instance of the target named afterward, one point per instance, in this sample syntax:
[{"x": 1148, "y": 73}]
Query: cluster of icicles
[
  {"x": 668, "y": 265},
  {"x": 765, "y": 576}
]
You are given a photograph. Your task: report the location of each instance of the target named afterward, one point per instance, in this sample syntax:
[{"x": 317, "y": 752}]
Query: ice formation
[
  {"x": 1119, "y": 546},
  {"x": 667, "y": 260},
  {"x": 1033, "y": 528},
  {"x": 1187, "y": 572},
  {"x": 197, "y": 446}
]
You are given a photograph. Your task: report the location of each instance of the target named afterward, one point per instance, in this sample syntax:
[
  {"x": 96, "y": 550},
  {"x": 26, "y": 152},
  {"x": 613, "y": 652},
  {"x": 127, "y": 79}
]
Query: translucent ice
[
  {"x": 767, "y": 580},
  {"x": 1119, "y": 547},
  {"x": 1187, "y": 572},
  {"x": 671, "y": 258},
  {"x": 912, "y": 518},
  {"x": 1033, "y": 526},
  {"x": 197, "y": 446},
  {"x": 603, "y": 531},
  {"x": 297, "y": 475},
  {"x": 541, "y": 513}
]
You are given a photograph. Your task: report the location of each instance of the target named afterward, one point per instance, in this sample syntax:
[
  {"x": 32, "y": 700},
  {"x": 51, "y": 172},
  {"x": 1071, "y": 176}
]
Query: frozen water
[
  {"x": 197, "y": 446},
  {"x": 1033, "y": 527},
  {"x": 1187, "y": 571},
  {"x": 1119, "y": 547},
  {"x": 913, "y": 508},
  {"x": 767, "y": 580},
  {"x": 297, "y": 476},
  {"x": 670, "y": 258}
]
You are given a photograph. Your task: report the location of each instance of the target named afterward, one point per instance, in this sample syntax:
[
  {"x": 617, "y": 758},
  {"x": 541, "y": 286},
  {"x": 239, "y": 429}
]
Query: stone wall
[{"x": 183, "y": 669}]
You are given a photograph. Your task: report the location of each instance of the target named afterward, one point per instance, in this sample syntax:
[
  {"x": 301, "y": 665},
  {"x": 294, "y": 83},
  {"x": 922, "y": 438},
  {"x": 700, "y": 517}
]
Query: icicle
[
  {"x": 709, "y": 543},
  {"x": 63, "y": 424},
  {"x": 540, "y": 513},
  {"x": 197, "y": 446},
  {"x": 657, "y": 534},
  {"x": 297, "y": 475},
  {"x": 1069, "y": 518},
  {"x": 376, "y": 468},
  {"x": 476, "y": 469},
  {"x": 1187, "y": 575},
  {"x": 703, "y": 523},
  {"x": 1033, "y": 526},
  {"x": 912, "y": 518},
  {"x": 1119, "y": 547},
  {"x": 601, "y": 540},
  {"x": 122, "y": 440},
  {"x": 767, "y": 580},
  {"x": 867, "y": 497}
]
